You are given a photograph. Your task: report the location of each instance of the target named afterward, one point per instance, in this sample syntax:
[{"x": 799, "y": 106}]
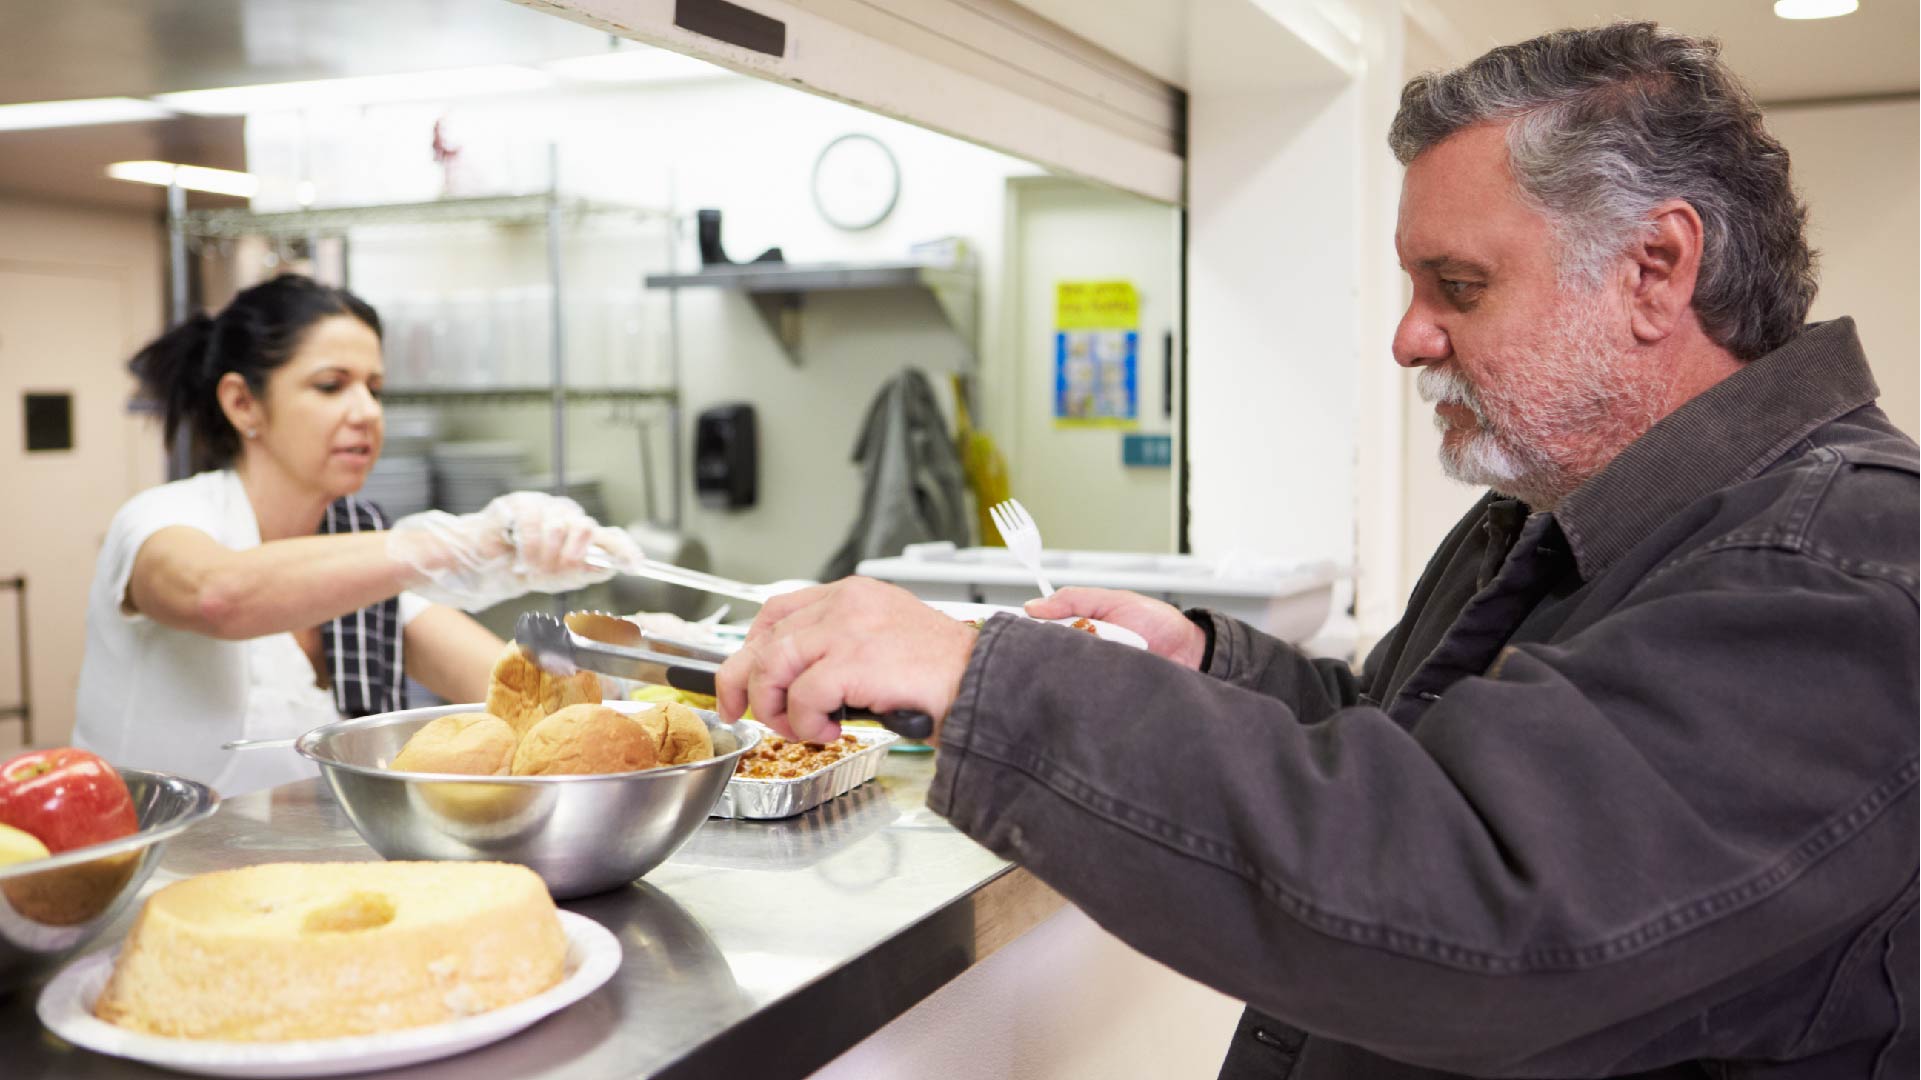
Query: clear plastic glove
[{"x": 525, "y": 541}]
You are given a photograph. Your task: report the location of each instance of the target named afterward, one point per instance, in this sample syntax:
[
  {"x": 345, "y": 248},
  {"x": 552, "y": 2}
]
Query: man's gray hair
[{"x": 1607, "y": 123}]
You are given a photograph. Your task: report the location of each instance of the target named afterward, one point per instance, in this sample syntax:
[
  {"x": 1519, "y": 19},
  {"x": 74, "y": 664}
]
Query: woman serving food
[{"x": 261, "y": 597}]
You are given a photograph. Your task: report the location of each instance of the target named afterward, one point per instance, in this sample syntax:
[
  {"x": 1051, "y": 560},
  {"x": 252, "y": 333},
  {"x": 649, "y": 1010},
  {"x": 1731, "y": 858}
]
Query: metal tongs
[
  {"x": 679, "y": 575},
  {"x": 562, "y": 652}
]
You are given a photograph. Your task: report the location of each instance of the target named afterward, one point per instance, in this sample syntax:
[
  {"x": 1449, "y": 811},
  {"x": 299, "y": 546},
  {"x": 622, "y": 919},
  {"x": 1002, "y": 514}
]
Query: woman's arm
[
  {"x": 522, "y": 541},
  {"x": 187, "y": 580},
  {"x": 450, "y": 653}
]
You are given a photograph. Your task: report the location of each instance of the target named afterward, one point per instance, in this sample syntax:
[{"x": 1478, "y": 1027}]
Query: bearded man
[{"x": 1630, "y": 789}]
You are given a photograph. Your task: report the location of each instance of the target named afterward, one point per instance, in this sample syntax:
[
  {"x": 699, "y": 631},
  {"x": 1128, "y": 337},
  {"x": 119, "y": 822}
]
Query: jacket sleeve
[
  {"x": 1596, "y": 837},
  {"x": 1242, "y": 656}
]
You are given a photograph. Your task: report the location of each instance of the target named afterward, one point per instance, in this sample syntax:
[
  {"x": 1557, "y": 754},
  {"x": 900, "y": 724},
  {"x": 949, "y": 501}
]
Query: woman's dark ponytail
[
  {"x": 180, "y": 371},
  {"x": 177, "y": 374}
]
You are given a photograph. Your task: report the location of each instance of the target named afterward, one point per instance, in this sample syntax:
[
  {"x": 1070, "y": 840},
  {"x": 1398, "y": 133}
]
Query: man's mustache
[{"x": 1439, "y": 386}]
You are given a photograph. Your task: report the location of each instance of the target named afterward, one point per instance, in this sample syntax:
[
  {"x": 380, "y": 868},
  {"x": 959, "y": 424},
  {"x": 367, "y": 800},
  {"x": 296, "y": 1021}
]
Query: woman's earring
[{"x": 253, "y": 433}]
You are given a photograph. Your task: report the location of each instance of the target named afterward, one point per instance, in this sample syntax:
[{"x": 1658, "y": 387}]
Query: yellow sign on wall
[{"x": 1096, "y": 305}]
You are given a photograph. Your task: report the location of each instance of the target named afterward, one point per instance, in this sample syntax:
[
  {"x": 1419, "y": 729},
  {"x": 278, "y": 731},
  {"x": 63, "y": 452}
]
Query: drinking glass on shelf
[
  {"x": 621, "y": 310},
  {"x": 473, "y": 345},
  {"x": 528, "y": 354}
]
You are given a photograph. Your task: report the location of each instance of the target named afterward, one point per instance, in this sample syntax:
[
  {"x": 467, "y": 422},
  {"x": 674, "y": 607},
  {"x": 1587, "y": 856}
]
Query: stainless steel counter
[{"x": 760, "y": 948}]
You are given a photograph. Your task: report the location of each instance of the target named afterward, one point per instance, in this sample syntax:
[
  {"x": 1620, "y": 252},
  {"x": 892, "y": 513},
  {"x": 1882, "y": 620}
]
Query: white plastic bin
[{"x": 1289, "y": 601}]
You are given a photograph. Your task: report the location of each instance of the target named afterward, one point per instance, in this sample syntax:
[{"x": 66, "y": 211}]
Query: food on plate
[
  {"x": 320, "y": 950},
  {"x": 671, "y": 627},
  {"x": 611, "y": 629},
  {"x": 476, "y": 744},
  {"x": 678, "y": 733},
  {"x": 521, "y": 693},
  {"x": 585, "y": 740},
  {"x": 658, "y": 694},
  {"x": 777, "y": 758},
  {"x": 1076, "y": 623},
  {"x": 19, "y": 845},
  {"x": 65, "y": 798}
]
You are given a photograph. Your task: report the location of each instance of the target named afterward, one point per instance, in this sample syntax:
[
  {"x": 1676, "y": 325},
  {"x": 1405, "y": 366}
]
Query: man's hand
[
  {"x": 854, "y": 642},
  {"x": 1168, "y": 632}
]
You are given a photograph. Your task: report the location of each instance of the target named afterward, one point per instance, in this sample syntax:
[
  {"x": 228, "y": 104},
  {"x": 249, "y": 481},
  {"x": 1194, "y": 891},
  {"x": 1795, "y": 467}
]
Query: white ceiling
[
  {"x": 105, "y": 48},
  {"x": 1873, "y": 51},
  {"x": 59, "y": 49}
]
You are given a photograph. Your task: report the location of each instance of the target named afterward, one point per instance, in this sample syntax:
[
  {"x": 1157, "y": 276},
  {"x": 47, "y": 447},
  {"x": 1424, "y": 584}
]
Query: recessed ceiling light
[
  {"x": 191, "y": 177},
  {"x": 362, "y": 90},
  {"x": 1814, "y": 9},
  {"x": 78, "y": 112}
]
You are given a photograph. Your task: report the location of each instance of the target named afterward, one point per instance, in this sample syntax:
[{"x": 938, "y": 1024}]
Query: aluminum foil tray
[{"x": 746, "y": 798}]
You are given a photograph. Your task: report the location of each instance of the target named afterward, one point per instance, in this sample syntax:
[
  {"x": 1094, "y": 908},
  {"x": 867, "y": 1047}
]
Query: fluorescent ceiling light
[
  {"x": 1814, "y": 9},
  {"x": 634, "y": 65},
  {"x": 54, "y": 114},
  {"x": 363, "y": 90},
  {"x": 191, "y": 177}
]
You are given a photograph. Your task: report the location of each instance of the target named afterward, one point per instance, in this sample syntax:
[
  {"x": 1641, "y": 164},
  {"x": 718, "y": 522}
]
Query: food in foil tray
[{"x": 777, "y": 758}]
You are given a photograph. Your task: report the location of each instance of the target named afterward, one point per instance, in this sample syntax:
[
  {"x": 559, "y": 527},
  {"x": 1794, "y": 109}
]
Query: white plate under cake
[{"x": 316, "y": 969}]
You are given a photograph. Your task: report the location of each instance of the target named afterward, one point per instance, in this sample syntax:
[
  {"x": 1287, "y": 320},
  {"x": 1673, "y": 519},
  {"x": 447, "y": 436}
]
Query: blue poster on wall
[{"x": 1097, "y": 377}]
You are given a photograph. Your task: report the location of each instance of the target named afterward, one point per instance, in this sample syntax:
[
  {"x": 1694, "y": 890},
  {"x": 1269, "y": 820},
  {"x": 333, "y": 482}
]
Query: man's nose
[{"x": 1418, "y": 340}]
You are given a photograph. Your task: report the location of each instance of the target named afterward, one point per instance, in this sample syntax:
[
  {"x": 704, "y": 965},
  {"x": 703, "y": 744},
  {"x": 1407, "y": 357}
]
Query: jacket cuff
[{"x": 957, "y": 730}]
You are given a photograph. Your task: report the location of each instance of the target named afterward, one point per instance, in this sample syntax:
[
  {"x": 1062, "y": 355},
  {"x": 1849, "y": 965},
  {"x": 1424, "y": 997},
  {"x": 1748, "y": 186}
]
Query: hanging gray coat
[{"x": 913, "y": 489}]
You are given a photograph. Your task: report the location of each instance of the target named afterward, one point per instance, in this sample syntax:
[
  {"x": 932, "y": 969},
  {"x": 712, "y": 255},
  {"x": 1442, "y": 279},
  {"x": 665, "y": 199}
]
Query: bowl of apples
[{"x": 78, "y": 838}]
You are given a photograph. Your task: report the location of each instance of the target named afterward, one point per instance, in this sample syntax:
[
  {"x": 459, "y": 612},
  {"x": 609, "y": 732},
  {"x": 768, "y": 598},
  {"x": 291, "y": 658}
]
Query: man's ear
[
  {"x": 1663, "y": 265},
  {"x": 238, "y": 402}
]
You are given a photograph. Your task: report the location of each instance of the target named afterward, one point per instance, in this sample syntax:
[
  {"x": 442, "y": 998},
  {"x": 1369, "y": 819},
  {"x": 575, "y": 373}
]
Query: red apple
[{"x": 66, "y": 798}]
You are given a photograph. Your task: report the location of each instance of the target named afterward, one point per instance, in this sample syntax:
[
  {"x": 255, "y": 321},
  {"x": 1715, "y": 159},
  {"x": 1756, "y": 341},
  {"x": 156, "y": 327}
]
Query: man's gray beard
[{"x": 1578, "y": 385}]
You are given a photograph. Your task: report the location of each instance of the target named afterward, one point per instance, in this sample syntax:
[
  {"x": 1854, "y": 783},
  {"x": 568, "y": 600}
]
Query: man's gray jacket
[{"x": 1630, "y": 790}]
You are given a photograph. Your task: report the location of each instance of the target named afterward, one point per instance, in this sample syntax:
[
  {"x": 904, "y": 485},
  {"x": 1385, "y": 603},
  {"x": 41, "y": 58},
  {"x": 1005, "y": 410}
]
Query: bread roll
[
  {"x": 678, "y": 732},
  {"x": 473, "y": 744},
  {"x": 521, "y": 693},
  {"x": 583, "y": 740}
]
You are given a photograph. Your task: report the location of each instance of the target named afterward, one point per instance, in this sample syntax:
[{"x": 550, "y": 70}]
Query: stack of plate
[
  {"x": 469, "y": 475},
  {"x": 583, "y": 488},
  {"x": 400, "y": 484},
  {"x": 410, "y": 430}
]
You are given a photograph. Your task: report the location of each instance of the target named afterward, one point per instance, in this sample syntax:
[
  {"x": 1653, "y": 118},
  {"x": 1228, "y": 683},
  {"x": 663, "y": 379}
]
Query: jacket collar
[{"x": 1728, "y": 433}]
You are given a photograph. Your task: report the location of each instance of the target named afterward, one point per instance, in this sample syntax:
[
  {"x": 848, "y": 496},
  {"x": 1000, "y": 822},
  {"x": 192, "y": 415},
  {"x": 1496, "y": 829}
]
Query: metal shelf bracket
[
  {"x": 779, "y": 291},
  {"x": 781, "y": 311}
]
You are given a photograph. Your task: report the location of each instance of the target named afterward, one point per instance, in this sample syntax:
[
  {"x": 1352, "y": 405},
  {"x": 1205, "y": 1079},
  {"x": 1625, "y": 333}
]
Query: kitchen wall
[
  {"x": 1858, "y": 165},
  {"x": 80, "y": 290},
  {"x": 748, "y": 148}
]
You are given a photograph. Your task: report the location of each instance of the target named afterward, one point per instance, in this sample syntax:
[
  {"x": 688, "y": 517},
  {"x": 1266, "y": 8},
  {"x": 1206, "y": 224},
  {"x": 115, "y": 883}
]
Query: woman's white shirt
[{"x": 153, "y": 697}]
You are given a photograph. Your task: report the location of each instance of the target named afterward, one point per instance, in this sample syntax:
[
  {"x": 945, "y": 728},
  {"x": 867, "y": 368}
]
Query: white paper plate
[
  {"x": 66, "y": 1008},
  {"x": 969, "y": 612}
]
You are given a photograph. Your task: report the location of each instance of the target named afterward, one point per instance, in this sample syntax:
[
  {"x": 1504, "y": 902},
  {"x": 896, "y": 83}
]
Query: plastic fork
[{"x": 1022, "y": 537}]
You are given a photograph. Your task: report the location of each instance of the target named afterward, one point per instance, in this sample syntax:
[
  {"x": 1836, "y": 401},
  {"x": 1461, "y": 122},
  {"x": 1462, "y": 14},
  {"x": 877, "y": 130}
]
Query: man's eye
[
  {"x": 375, "y": 390},
  {"x": 1460, "y": 291},
  {"x": 328, "y": 387}
]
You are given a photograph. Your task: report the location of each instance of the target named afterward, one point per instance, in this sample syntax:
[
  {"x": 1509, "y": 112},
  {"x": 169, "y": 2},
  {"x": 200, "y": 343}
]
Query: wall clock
[{"x": 856, "y": 182}]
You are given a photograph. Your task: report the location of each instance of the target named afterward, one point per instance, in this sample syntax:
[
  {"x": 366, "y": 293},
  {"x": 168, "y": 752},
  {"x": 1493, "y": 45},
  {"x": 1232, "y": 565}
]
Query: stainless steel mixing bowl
[
  {"x": 52, "y": 908},
  {"x": 581, "y": 834}
]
